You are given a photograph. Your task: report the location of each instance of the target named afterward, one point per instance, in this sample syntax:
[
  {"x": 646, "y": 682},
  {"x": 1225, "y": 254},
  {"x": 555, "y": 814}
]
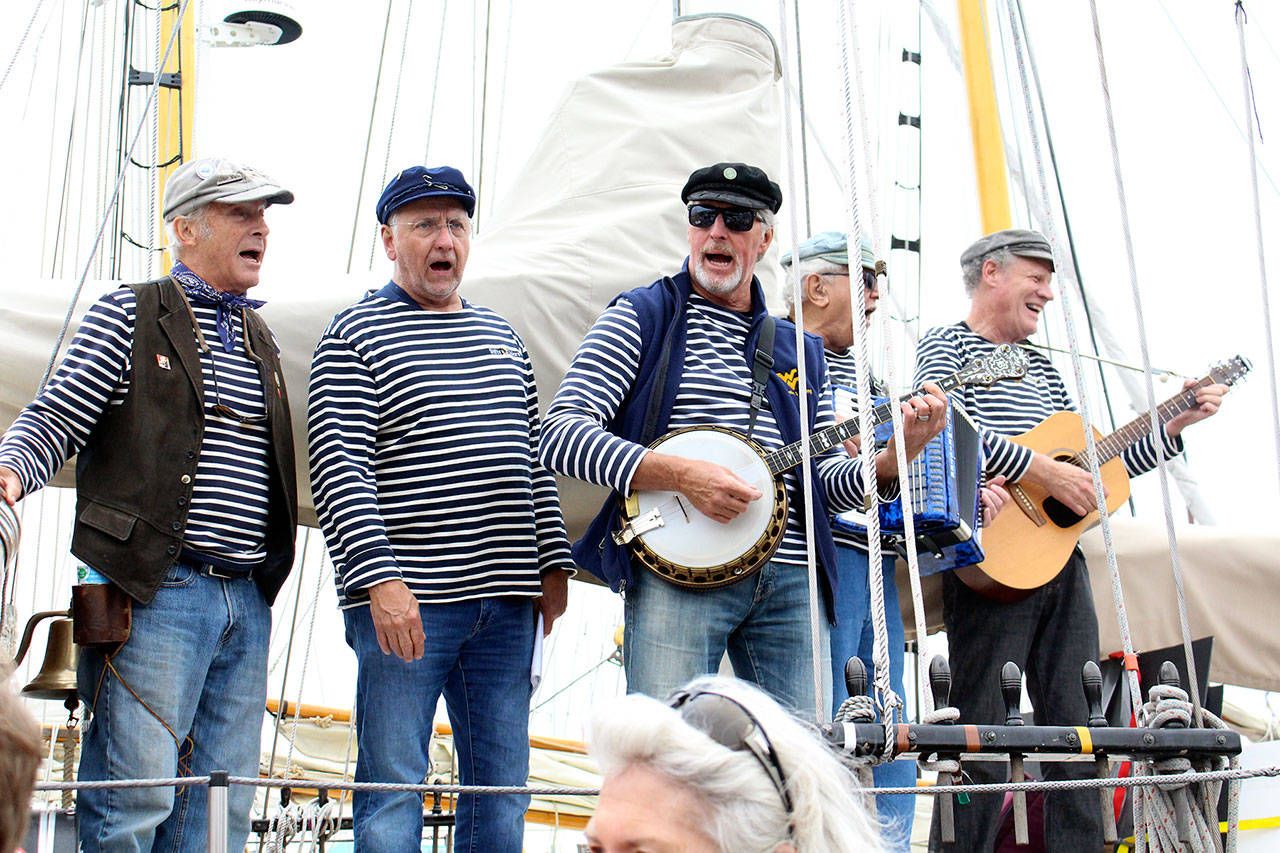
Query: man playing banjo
[{"x": 682, "y": 352}]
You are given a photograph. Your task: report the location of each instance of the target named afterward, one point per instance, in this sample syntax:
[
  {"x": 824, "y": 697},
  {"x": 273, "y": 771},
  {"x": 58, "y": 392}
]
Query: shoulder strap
[
  {"x": 654, "y": 410},
  {"x": 761, "y": 366}
]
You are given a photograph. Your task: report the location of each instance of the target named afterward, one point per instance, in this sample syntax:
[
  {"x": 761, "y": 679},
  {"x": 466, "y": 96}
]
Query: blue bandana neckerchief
[{"x": 202, "y": 293}]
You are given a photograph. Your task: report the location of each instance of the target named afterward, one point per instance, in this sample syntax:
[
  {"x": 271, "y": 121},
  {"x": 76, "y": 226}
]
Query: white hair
[
  {"x": 972, "y": 271},
  {"x": 745, "y": 810},
  {"x": 806, "y": 268},
  {"x": 766, "y": 216},
  {"x": 198, "y": 217}
]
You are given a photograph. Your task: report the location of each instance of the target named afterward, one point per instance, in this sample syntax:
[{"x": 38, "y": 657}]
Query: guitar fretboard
[
  {"x": 786, "y": 458},
  {"x": 1131, "y": 433}
]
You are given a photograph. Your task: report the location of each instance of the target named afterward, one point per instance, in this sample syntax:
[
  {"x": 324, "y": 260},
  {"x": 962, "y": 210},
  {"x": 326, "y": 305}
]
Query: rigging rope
[
  {"x": 889, "y": 701},
  {"x": 435, "y": 83},
  {"x": 22, "y": 41},
  {"x": 97, "y": 240},
  {"x": 1157, "y": 430},
  {"x": 1250, "y": 108},
  {"x": 368, "y": 138},
  {"x": 1117, "y": 591},
  {"x": 879, "y": 617},
  {"x": 806, "y": 469},
  {"x": 391, "y": 128}
]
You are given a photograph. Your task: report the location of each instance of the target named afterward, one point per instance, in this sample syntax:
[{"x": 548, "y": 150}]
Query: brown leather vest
[{"x": 135, "y": 474}]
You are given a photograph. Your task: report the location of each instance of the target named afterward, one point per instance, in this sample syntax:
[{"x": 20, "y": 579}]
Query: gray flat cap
[
  {"x": 199, "y": 182},
  {"x": 1025, "y": 244}
]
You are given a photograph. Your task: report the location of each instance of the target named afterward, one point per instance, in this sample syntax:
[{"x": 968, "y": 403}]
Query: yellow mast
[
  {"x": 984, "y": 118},
  {"x": 175, "y": 107}
]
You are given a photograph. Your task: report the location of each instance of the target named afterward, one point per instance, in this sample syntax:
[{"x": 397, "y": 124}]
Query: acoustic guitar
[{"x": 1029, "y": 541}]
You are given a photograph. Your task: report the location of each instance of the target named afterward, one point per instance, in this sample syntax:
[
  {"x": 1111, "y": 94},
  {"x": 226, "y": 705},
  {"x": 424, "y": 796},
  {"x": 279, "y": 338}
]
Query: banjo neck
[{"x": 786, "y": 458}]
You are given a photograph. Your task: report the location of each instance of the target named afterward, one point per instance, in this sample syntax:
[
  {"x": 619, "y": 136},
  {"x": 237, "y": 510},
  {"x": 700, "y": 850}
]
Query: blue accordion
[{"x": 946, "y": 496}]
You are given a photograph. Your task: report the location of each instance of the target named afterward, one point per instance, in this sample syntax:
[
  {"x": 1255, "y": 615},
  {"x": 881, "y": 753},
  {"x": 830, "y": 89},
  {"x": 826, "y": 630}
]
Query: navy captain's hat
[
  {"x": 420, "y": 182},
  {"x": 733, "y": 183}
]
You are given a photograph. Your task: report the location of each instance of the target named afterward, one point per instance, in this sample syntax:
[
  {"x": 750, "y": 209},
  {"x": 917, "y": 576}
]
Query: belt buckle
[{"x": 217, "y": 572}]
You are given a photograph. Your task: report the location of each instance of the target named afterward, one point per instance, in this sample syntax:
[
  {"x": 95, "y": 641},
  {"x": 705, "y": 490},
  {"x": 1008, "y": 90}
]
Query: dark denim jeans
[
  {"x": 477, "y": 652},
  {"x": 853, "y": 635},
  {"x": 674, "y": 634},
  {"x": 1049, "y": 636},
  {"x": 197, "y": 655}
]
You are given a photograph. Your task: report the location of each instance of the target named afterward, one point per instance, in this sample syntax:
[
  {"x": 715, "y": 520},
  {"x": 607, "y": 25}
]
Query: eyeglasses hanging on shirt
[{"x": 220, "y": 409}]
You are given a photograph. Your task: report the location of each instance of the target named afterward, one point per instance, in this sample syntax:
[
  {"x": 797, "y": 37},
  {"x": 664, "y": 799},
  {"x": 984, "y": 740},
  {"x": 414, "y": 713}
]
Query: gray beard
[{"x": 719, "y": 288}]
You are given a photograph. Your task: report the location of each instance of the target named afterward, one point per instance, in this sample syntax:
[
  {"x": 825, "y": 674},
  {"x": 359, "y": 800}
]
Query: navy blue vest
[{"x": 660, "y": 308}]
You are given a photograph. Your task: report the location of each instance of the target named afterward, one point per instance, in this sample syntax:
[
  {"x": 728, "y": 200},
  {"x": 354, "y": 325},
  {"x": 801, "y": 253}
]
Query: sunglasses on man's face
[{"x": 735, "y": 218}]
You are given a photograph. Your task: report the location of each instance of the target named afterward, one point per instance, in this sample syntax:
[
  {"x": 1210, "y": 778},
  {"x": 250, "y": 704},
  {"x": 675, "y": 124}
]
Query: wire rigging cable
[
  {"x": 1251, "y": 107},
  {"x": 368, "y": 138},
  {"x": 22, "y": 41},
  {"x": 97, "y": 240},
  {"x": 391, "y": 129},
  {"x": 806, "y": 475}
]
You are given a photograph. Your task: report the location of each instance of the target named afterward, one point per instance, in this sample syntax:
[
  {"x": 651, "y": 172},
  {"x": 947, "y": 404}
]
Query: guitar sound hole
[{"x": 1059, "y": 513}]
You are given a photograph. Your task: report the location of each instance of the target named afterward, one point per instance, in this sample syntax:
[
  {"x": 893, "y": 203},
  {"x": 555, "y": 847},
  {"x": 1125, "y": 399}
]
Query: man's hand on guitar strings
[
  {"x": 1208, "y": 399},
  {"x": 1070, "y": 484},
  {"x": 994, "y": 497}
]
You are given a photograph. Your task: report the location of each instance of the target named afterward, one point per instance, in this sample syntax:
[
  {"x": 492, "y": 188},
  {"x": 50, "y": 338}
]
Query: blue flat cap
[
  {"x": 420, "y": 182},
  {"x": 832, "y": 246}
]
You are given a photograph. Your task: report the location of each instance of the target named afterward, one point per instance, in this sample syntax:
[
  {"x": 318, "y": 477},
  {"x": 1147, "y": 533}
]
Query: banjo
[{"x": 674, "y": 540}]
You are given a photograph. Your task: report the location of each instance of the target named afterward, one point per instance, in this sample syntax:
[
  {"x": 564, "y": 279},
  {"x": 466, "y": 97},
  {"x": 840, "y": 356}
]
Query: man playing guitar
[
  {"x": 687, "y": 345},
  {"x": 1051, "y": 633}
]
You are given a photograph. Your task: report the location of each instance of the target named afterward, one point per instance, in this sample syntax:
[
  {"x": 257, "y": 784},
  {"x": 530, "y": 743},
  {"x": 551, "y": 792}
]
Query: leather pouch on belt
[{"x": 103, "y": 614}]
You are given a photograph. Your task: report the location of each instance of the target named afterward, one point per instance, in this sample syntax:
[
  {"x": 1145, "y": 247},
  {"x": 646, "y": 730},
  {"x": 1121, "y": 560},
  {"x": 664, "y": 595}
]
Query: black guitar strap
[{"x": 760, "y": 371}]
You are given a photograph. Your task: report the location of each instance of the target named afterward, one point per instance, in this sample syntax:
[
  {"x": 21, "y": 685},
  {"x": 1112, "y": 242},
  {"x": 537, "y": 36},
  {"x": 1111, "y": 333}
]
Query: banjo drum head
[{"x": 689, "y": 538}]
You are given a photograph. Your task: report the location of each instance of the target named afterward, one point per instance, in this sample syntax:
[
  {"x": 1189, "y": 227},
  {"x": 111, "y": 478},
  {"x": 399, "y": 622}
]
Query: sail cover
[{"x": 595, "y": 211}]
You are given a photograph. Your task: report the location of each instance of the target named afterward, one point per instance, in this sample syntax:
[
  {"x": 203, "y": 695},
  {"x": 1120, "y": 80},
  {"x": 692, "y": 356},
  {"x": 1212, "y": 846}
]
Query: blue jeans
[
  {"x": 674, "y": 634},
  {"x": 477, "y": 652},
  {"x": 853, "y": 635},
  {"x": 197, "y": 656}
]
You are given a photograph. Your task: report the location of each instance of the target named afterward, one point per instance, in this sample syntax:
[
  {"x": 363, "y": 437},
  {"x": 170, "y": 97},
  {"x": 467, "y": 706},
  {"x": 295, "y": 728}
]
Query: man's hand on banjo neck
[{"x": 718, "y": 493}]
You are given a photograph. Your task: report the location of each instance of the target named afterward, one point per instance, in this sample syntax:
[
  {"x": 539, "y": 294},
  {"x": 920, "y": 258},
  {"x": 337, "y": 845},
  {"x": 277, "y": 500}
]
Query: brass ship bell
[{"x": 56, "y": 679}]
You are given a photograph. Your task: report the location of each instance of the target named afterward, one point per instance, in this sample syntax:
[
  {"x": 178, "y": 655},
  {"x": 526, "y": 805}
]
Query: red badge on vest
[{"x": 163, "y": 361}]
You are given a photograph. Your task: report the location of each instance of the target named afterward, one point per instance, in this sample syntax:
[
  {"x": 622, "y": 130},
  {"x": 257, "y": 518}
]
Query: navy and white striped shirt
[
  {"x": 842, "y": 369},
  {"x": 715, "y": 390},
  {"x": 1012, "y": 408},
  {"x": 424, "y": 439},
  {"x": 227, "y": 521}
]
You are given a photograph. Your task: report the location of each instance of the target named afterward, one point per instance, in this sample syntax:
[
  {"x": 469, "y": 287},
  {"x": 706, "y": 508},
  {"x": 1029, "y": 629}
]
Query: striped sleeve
[
  {"x": 1140, "y": 457},
  {"x": 58, "y": 422},
  {"x": 574, "y": 439},
  {"x": 553, "y": 541},
  {"x": 342, "y": 426},
  {"x": 841, "y": 474},
  {"x": 941, "y": 353}
]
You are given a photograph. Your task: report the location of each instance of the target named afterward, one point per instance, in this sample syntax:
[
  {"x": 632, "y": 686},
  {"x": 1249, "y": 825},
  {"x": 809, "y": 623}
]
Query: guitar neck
[
  {"x": 1140, "y": 427},
  {"x": 820, "y": 442}
]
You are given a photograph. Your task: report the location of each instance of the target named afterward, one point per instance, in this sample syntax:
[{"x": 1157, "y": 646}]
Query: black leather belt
[{"x": 215, "y": 571}]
